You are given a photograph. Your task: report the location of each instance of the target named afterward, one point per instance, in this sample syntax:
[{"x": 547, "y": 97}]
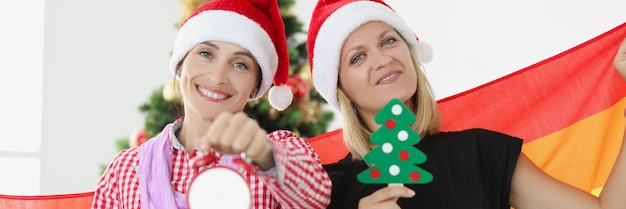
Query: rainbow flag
[
  {"x": 54, "y": 201},
  {"x": 567, "y": 108}
]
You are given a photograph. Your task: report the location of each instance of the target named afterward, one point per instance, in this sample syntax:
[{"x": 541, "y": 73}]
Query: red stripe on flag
[
  {"x": 545, "y": 97},
  {"x": 329, "y": 146}
]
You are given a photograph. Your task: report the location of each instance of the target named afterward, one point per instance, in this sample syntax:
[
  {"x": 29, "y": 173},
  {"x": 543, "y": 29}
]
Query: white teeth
[
  {"x": 211, "y": 94},
  {"x": 388, "y": 77}
]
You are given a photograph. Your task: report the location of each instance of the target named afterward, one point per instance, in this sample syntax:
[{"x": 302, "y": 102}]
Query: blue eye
[
  {"x": 240, "y": 65},
  {"x": 357, "y": 58},
  {"x": 388, "y": 41},
  {"x": 206, "y": 54}
]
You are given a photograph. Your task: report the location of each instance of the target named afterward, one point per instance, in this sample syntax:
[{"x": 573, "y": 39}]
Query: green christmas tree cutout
[{"x": 395, "y": 160}]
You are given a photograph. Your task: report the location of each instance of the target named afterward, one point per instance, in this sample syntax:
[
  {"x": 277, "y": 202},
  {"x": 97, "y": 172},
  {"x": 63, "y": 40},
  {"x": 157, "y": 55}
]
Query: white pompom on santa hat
[
  {"x": 331, "y": 24},
  {"x": 255, "y": 25}
]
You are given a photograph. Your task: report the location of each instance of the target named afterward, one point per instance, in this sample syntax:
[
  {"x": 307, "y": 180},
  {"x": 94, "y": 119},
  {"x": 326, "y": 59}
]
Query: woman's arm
[
  {"x": 533, "y": 189},
  {"x": 612, "y": 195},
  {"x": 107, "y": 191},
  {"x": 298, "y": 179}
]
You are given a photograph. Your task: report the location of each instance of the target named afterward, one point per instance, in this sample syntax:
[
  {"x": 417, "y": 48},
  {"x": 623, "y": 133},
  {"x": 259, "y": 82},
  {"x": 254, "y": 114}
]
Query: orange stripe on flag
[{"x": 583, "y": 153}]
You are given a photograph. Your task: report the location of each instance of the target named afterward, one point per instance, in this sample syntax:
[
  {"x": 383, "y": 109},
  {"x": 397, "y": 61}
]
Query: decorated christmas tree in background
[
  {"x": 394, "y": 160},
  {"x": 304, "y": 116}
]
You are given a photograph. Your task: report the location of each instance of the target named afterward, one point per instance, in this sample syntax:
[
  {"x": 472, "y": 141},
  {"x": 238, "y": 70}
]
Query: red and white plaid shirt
[{"x": 298, "y": 179}]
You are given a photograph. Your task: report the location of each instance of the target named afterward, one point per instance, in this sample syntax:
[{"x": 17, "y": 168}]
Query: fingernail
[{"x": 410, "y": 192}]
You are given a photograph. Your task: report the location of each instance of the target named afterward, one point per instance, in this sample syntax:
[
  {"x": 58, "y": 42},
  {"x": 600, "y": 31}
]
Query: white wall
[
  {"x": 480, "y": 40},
  {"x": 103, "y": 58}
]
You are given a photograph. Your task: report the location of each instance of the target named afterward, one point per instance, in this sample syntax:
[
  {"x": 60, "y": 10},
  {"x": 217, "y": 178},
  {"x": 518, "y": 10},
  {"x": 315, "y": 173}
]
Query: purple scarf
[{"x": 155, "y": 168}]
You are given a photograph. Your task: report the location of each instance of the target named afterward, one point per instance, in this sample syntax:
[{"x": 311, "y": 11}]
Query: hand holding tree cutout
[{"x": 395, "y": 160}]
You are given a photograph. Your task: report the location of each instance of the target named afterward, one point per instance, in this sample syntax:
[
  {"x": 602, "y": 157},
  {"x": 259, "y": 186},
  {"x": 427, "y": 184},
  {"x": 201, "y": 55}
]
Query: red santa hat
[
  {"x": 331, "y": 24},
  {"x": 255, "y": 25}
]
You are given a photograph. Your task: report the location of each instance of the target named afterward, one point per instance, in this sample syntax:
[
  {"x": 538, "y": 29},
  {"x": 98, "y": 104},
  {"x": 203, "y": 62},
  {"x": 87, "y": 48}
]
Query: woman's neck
[{"x": 367, "y": 119}]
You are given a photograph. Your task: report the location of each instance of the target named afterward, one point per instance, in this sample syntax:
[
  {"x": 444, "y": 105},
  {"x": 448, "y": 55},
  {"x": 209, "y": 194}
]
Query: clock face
[{"x": 219, "y": 187}]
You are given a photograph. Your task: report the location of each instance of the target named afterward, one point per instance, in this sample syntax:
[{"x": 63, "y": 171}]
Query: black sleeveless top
[{"x": 471, "y": 169}]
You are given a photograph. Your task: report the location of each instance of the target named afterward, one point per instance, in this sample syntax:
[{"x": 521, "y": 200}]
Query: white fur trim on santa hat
[
  {"x": 280, "y": 97},
  {"x": 231, "y": 27},
  {"x": 336, "y": 29}
]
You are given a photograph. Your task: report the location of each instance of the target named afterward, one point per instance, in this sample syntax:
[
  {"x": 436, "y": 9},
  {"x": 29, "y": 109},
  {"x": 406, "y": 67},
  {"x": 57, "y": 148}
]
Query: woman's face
[
  {"x": 215, "y": 77},
  {"x": 375, "y": 67}
]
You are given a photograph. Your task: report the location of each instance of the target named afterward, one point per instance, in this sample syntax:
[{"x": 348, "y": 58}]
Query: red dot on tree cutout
[
  {"x": 415, "y": 176},
  {"x": 375, "y": 173},
  {"x": 404, "y": 155},
  {"x": 390, "y": 124}
]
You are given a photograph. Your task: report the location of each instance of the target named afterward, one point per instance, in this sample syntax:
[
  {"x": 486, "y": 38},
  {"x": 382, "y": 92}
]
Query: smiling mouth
[
  {"x": 212, "y": 95},
  {"x": 388, "y": 78}
]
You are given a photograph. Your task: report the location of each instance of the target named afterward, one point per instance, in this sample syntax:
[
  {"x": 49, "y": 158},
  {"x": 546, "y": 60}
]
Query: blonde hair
[{"x": 422, "y": 103}]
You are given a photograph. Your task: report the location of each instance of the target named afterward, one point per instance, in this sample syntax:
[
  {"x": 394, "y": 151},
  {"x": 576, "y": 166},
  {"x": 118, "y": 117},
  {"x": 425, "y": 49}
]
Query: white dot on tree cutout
[
  {"x": 403, "y": 135},
  {"x": 394, "y": 170},
  {"x": 387, "y": 148},
  {"x": 396, "y": 109}
]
